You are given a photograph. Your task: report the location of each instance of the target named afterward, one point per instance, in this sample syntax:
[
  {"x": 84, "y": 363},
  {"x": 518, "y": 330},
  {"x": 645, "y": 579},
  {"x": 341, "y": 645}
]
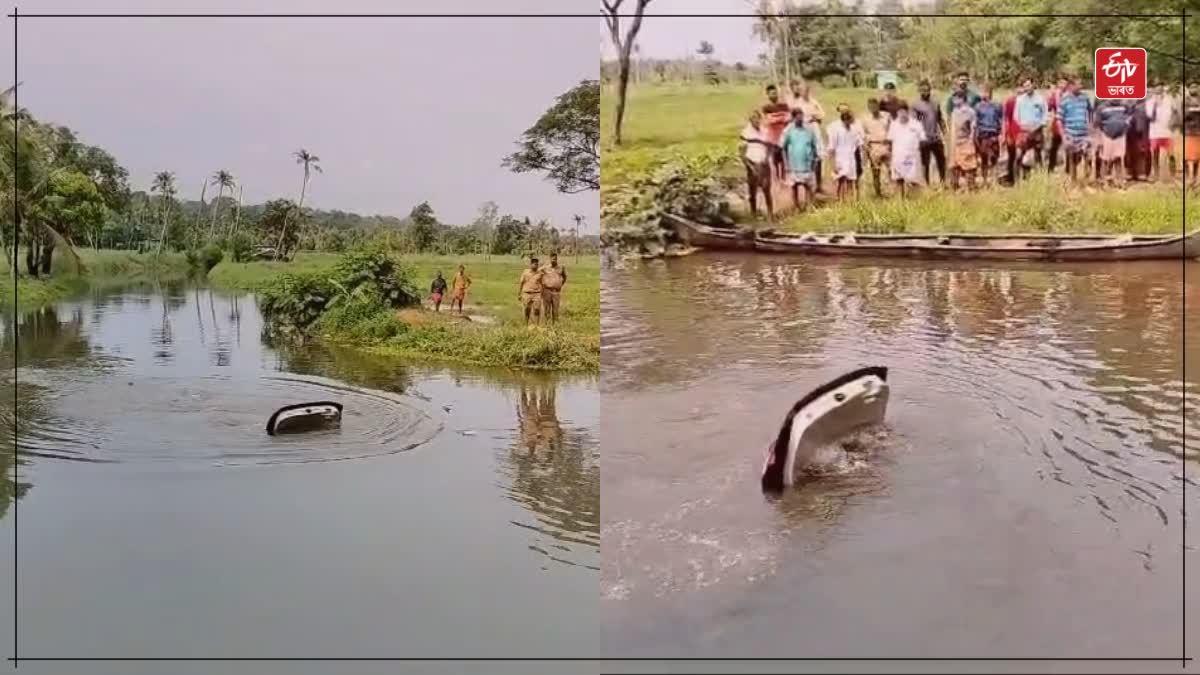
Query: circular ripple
[{"x": 218, "y": 421}]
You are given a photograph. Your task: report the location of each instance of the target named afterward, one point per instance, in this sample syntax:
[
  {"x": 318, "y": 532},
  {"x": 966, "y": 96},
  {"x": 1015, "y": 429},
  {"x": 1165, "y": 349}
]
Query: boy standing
[
  {"x": 1112, "y": 117},
  {"x": 814, "y": 114},
  {"x": 459, "y": 286},
  {"x": 1030, "y": 114},
  {"x": 989, "y": 118},
  {"x": 436, "y": 290}
]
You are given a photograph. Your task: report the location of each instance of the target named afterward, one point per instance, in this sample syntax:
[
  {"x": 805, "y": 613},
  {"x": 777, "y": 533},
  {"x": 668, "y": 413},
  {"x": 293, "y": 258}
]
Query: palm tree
[
  {"x": 164, "y": 184},
  {"x": 311, "y": 163},
  {"x": 222, "y": 179}
]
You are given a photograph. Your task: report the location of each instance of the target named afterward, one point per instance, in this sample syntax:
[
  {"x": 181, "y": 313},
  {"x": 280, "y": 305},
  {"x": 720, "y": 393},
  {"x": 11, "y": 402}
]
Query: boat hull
[{"x": 1017, "y": 248}]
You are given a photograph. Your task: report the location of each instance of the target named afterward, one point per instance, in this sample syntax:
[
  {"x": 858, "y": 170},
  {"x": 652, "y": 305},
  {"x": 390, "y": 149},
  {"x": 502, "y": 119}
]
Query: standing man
[
  {"x": 905, "y": 135},
  {"x": 756, "y": 157},
  {"x": 800, "y": 152},
  {"x": 890, "y": 103},
  {"x": 775, "y": 120},
  {"x": 1075, "y": 116},
  {"x": 1137, "y": 141},
  {"x": 814, "y": 114},
  {"x": 929, "y": 114},
  {"x": 554, "y": 277},
  {"x": 1191, "y": 133},
  {"x": 436, "y": 290},
  {"x": 1162, "y": 110},
  {"x": 875, "y": 131},
  {"x": 459, "y": 285},
  {"x": 844, "y": 143},
  {"x": 529, "y": 291},
  {"x": 963, "y": 136},
  {"x": 1031, "y": 120},
  {"x": 1112, "y": 117},
  {"x": 962, "y": 89},
  {"x": 1011, "y": 132},
  {"x": 989, "y": 120},
  {"x": 1054, "y": 113}
]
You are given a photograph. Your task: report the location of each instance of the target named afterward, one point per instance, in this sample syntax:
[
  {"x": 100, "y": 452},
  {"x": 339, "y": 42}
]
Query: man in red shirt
[
  {"x": 1056, "y": 124},
  {"x": 1011, "y": 131},
  {"x": 776, "y": 115}
]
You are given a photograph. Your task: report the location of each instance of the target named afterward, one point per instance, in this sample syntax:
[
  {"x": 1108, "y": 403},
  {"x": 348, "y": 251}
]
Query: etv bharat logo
[{"x": 1120, "y": 72}]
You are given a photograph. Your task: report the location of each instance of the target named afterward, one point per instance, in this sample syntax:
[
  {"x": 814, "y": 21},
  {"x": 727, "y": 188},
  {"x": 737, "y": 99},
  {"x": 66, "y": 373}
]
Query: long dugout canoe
[{"x": 1017, "y": 247}]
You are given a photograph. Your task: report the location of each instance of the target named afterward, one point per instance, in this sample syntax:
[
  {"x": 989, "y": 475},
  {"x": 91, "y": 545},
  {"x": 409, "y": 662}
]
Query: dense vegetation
[{"x": 74, "y": 195}]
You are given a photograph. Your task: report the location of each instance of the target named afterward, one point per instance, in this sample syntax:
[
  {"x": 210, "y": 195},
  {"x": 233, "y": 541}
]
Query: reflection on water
[
  {"x": 554, "y": 473},
  {"x": 1042, "y": 401},
  {"x": 181, "y": 376}
]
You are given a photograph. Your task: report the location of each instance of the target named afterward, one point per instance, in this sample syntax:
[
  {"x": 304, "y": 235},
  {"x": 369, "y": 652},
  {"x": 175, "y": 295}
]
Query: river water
[
  {"x": 1024, "y": 497},
  {"x": 454, "y": 514}
]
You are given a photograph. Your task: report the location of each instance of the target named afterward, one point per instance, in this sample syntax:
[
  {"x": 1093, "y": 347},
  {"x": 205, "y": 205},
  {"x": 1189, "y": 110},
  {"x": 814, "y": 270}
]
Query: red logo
[{"x": 1120, "y": 72}]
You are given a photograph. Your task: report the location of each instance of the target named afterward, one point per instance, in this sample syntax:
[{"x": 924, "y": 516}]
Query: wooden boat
[
  {"x": 823, "y": 416},
  {"x": 707, "y": 236},
  {"x": 301, "y": 417},
  {"x": 1016, "y": 247}
]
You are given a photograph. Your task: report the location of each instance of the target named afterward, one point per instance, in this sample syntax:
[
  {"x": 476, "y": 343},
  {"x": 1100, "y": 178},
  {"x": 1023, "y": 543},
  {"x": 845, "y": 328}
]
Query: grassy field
[
  {"x": 496, "y": 336},
  {"x": 666, "y": 121},
  {"x": 99, "y": 267}
]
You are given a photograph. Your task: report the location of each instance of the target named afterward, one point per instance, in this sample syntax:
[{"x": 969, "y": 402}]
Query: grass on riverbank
[
  {"x": 496, "y": 337},
  {"x": 665, "y": 122},
  {"x": 99, "y": 267}
]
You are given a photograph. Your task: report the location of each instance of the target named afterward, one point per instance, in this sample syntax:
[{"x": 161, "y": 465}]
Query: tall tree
[
  {"x": 611, "y": 9},
  {"x": 565, "y": 141},
  {"x": 164, "y": 185},
  {"x": 311, "y": 163},
  {"x": 423, "y": 226},
  {"x": 222, "y": 179}
]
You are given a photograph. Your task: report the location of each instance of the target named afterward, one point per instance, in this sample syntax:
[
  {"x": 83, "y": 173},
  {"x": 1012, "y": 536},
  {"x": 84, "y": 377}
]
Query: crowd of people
[
  {"x": 539, "y": 290},
  {"x": 969, "y": 139}
]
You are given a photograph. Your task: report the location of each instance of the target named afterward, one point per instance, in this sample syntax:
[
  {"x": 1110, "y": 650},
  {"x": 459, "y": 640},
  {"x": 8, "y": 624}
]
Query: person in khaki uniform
[
  {"x": 529, "y": 292},
  {"x": 553, "y": 278}
]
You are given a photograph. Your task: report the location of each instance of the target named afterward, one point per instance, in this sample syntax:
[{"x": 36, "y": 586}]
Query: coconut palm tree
[
  {"x": 222, "y": 179},
  {"x": 311, "y": 163},
  {"x": 164, "y": 184}
]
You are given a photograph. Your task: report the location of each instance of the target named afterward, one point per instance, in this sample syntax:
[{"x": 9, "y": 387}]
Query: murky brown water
[
  {"x": 1024, "y": 497},
  {"x": 454, "y": 512}
]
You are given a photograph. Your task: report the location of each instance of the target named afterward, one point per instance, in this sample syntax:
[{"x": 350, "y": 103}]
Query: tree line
[{"x": 70, "y": 194}]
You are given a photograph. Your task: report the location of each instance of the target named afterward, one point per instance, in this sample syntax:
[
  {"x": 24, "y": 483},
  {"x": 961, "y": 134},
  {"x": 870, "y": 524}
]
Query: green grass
[
  {"x": 99, "y": 267},
  {"x": 669, "y": 120},
  {"x": 498, "y": 336}
]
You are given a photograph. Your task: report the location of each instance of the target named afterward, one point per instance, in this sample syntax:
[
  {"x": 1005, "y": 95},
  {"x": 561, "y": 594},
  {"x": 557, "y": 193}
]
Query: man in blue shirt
[
  {"x": 800, "y": 156},
  {"x": 989, "y": 117},
  {"x": 1075, "y": 120},
  {"x": 1030, "y": 115}
]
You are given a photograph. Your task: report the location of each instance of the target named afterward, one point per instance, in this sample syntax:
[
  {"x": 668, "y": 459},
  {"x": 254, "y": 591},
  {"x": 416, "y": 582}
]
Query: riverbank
[
  {"x": 681, "y": 146},
  {"x": 99, "y": 268},
  {"x": 495, "y": 335}
]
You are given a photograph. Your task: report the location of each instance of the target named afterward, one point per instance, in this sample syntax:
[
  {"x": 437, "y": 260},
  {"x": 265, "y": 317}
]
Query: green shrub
[
  {"x": 294, "y": 302},
  {"x": 206, "y": 258},
  {"x": 240, "y": 247},
  {"x": 361, "y": 318},
  {"x": 373, "y": 272}
]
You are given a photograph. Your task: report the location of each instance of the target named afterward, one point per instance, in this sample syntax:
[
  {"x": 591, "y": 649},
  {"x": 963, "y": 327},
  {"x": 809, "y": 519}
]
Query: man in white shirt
[
  {"x": 756, "y": 154},
  {"x": 906, "y": 136},
  {"x": 1161, "y": 109}
]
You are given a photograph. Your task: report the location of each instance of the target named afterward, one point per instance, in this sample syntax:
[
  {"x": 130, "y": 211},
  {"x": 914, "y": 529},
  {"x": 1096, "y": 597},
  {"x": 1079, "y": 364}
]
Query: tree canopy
[{"x": 565, "y": 142}]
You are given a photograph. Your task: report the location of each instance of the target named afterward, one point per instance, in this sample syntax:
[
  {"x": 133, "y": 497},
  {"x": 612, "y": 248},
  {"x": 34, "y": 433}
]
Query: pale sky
[{"x": 399, "y": 110}]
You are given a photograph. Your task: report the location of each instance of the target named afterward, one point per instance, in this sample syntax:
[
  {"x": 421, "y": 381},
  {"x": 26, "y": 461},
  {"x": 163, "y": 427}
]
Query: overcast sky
[{"x": 399, "y": 110}]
